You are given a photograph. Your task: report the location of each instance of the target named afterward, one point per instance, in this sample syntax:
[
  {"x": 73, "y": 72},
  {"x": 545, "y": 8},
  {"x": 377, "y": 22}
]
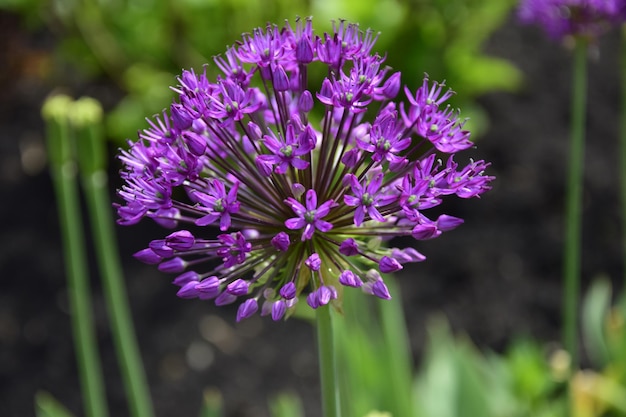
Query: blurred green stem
[
  {"x": 63, "y": 171},
  {"x": 400, "y": 366},
  {"x": 87, "y": 118},
  {"x": 574, "y": 203},
  {"x": 623, "y": 145},
  {"x": 328, "y": 374}
]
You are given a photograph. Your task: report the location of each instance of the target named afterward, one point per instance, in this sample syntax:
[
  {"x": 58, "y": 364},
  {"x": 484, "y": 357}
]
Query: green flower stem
[
  {"x": 328, "y": 375},
  {"x": 87, "y": 118},
  {"x": 63, "y": 171},
  {"x": 623, "y": 145},
  {"x": 574, "y": 204}
]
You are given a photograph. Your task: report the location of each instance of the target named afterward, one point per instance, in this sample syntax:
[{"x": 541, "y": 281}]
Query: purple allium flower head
[
  {"x": 582, "y": 18},
  {"x": 275, "y": 206}
]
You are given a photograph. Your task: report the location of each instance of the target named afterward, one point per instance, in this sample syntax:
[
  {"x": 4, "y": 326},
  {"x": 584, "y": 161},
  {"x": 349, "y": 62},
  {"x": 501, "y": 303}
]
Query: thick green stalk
[
  {"x": 328, "y": 369},
  {"x": 63, "y": 171},
  {"x": 574, "y": 203},
  {"x": 87, "y": 118}
]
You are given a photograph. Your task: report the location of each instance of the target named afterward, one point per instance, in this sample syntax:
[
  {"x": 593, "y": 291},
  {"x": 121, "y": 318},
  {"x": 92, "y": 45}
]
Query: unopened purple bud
[
  {"x": 305, "y": 102},
  {"x": 297, "y": 189},
  {"x": 281, "y": 81},
  {"x": 210, "y": 285},
  {"x": 181, "y": 240},
  {"x": 254, "y": 132},
  {"x": 392, "y": 86},
  {"x": 196, "y": 143},
  {"x": 313, "y": 262},
  {"x": 324, "y": 295},
  {"x": 188, "y": 290},
  {"x": 181, "y": 117},
  {"x": 278, "y": 309},
  {"x": 266, "y": 308},
  {"x": 351, "y": 158},
  {"x": 148, "y": 256},
  {"x": 160, "y": 248},
  {"x": 288, "y": 291},
  {"x": 225, "y": 298},
  {"x": 250, "y": 234},
  {"x": 312, "y": 300},
  {"x": 307, "y": 139},
  {"x": 264, "y": 166},
  {"x": 407, "y": 255},
  {"x": 326, "y": 92},
  {"x": 281, "y": 241},
  {"x": 173, "y": 265},
  {"x": 238, "y": 287},
  {"x": 425, "y": 231},
  {"x": 388, "y": 265},
  {"x": 304, "y": 50},
  {"x": 186, "y": 277},
  {"x": 349, "y": 247},
  {"x": 350, "y": 279},
  {"x": 247, "y": 309},
  {"x": 445, "y": 222},
  {"x": 398, "y": 164},
  {"x": 373, "y": 275},
  {"x": 380, "y": 290}
]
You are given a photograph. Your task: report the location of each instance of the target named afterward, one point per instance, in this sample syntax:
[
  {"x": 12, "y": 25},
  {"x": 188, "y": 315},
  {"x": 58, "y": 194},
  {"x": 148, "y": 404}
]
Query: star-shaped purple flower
[{"x": 309, "y": 217}]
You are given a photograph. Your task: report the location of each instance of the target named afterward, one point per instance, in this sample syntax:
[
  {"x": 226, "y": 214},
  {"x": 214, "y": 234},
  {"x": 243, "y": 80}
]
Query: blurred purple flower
[{"x": 582, "y": 18}]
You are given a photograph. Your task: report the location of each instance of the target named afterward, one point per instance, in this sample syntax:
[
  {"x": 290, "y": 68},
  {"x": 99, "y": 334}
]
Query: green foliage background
[{"x": 143, "y": 44}]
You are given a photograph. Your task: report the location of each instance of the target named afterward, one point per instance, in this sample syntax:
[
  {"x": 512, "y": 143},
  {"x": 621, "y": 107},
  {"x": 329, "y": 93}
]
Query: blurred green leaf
[
  {"x": 451, "y": 384},
  {"x": 47, "y": 406},
  {"x": 212, "y": 404},
  {"x": 596, "y": 305},
  {"x": 286, "y": 404}
]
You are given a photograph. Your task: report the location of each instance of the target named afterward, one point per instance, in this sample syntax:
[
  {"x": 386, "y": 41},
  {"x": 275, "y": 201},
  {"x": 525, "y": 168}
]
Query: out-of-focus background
[{"x": 496, "y": 278}]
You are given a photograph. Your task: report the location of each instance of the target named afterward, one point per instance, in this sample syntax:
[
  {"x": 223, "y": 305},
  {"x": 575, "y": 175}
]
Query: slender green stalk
[
  {"x": 63, "y": 171},
  {"x": 623, "y": 145},
  {"x": 87, "y": 117},
  {"x": 328, "y": 374},
  {"x": 574, "y": 203}
]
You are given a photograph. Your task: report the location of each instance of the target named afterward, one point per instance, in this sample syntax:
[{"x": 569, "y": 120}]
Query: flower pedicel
[{"x": 269, "y": 203}]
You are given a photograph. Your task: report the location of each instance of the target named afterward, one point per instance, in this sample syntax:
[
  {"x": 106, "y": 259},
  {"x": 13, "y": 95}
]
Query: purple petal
[
  {"x": 323, "y": 226},
  {"x": 295, "y": 223},
  {"x": 311, "y": 201}
]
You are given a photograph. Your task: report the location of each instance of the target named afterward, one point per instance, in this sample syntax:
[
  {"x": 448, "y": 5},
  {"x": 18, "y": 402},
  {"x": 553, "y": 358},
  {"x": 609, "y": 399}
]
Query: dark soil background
[{"x": 494, "y": 278}]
